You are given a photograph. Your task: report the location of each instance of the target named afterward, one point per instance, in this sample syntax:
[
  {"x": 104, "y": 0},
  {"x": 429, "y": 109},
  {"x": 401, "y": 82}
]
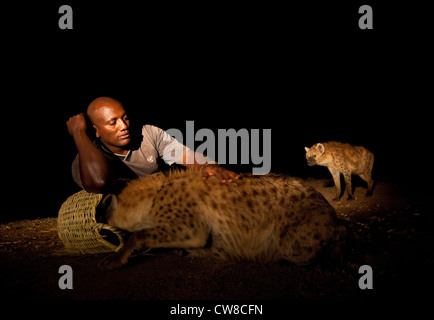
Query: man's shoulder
[
  {"x": 153, "y": 132},
  {"x": 150, "y": 127},
  {"x": 157, "y": 137}
]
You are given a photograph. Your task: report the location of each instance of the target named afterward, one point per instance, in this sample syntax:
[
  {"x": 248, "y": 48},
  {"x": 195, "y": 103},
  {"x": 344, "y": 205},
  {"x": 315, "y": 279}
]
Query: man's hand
[
  {"x": 224, "y": 175},
  {"x": 76, "y": 124}
]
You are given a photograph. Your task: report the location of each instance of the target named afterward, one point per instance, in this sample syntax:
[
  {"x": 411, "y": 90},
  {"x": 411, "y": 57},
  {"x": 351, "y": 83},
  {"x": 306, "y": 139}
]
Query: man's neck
[
  {"x": 115, "y": 150},
  {"x": 119, "y": 151}
]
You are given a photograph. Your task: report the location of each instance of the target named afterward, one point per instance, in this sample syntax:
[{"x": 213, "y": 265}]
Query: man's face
[{"x": 112, "y": 126}]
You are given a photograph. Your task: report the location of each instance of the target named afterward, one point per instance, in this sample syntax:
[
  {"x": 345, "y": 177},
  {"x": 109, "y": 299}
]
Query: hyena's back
[
  {"x": 269, "y": 218},
  {"x": 357, "y": 158},
  {"x": 265, "y": 218}
]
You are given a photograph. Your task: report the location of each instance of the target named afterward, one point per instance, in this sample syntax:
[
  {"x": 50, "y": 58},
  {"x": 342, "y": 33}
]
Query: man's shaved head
[
  {"x": 111, "y": 123},
  {"x": 96, "y": 105}
]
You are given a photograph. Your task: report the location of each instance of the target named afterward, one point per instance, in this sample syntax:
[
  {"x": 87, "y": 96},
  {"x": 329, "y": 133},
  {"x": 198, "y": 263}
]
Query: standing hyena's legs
[
  {"x": 172, "y": 236},
  {"x": 348, "y": 186},
  {"x": 366, "y": 174},
  {"x": 337, "y": 180},
  {"x": 367, "y": 177}
]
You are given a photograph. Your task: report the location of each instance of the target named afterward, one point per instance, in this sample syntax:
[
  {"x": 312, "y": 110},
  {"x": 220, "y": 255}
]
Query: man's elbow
[{"x": 95, "y": 186}]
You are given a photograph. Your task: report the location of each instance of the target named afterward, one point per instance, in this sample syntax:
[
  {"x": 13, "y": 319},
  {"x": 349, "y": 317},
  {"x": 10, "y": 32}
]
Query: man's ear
[
  {"x": 320, "y": 148},
  {"x": 306, "y": 148},
  {"x": 96, "y": 132}
]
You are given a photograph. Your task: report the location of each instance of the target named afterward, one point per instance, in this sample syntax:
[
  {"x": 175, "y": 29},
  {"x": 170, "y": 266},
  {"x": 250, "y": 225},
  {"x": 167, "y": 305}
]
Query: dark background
[{"x": 304, "y": 70}]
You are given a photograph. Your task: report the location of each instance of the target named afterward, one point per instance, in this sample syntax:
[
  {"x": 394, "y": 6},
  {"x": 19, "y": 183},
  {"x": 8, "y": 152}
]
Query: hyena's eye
[{"x": 314, "y": 156}]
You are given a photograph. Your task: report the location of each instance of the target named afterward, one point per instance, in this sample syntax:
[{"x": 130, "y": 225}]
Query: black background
[{"x": 304, "y": 70}]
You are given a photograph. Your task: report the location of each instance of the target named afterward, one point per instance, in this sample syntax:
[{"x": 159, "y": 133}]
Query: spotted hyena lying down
[{"x": 267, "y": 218}]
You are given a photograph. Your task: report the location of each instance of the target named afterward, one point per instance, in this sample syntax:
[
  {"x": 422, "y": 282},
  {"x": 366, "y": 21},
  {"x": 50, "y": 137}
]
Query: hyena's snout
[{"x": 311, "y": 161}]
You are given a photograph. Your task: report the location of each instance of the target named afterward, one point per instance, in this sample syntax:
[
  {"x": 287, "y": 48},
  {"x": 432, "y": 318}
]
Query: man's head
[{"x": 111, "y": 123}]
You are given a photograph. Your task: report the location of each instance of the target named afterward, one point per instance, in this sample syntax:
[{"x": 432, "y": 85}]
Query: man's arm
[
  {"x": 94, "y": 169},
  {"x": 208, "y": 169},
  {"x": 172, "y": 151}
]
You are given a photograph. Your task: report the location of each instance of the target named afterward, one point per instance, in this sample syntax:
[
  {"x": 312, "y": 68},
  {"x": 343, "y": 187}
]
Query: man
[{"x": 113, "y": 155}]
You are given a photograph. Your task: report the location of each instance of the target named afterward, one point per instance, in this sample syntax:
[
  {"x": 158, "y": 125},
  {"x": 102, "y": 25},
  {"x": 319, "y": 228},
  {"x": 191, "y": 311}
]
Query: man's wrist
[{"x": 79, "y": 133}]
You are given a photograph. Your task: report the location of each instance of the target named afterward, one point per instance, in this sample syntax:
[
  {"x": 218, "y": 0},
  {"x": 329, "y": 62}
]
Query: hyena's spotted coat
[
  {"x": 267, "y": 218},
  {"x": 343, "y": 158}
]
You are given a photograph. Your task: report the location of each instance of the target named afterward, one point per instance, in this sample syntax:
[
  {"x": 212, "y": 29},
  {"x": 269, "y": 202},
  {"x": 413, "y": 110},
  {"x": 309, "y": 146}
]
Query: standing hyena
[
  {"x": 265, "y": 218},
  {"x": 343, "y": 158}
]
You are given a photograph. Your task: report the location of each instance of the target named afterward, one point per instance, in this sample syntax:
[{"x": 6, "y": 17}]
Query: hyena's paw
[{"x": 113, "y": 261}]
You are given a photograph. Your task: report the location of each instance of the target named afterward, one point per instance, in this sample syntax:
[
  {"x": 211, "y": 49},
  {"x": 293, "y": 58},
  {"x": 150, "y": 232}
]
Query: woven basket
[{"x": 78, "y": 229}]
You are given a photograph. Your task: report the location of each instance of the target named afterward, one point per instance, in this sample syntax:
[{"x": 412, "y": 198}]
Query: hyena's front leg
[
  {"x": 119, "y": 258},
  {"x": 173, "y": 236},
  {"x": 337, "y": 180}
]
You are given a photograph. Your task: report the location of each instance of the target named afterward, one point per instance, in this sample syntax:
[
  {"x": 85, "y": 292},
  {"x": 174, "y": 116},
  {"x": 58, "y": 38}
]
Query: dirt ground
[{"x": 392, "y": 232}]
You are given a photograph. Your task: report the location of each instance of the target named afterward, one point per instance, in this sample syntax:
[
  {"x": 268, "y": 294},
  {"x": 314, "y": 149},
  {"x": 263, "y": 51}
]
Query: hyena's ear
[
  {"x": 306, "y": 148},
  {"x": 320, "y": 148},
  {"x": 106, "y": 208}
]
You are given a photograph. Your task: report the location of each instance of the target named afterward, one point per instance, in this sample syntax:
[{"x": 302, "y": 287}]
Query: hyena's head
[{"x": 314, "y": 154}]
